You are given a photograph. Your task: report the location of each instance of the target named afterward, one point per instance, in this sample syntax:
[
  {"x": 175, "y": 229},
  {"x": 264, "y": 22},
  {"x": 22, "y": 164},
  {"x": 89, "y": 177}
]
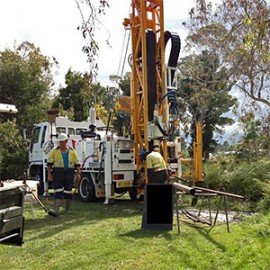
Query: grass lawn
[{"x": 97, "y": 236}]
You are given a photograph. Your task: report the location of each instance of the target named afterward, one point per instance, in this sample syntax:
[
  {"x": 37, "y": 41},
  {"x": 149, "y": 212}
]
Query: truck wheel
[
  {"x": 40, "y": 188},
  {"x": 87, "y": 189},
  {"x": 133, "y": 192}
]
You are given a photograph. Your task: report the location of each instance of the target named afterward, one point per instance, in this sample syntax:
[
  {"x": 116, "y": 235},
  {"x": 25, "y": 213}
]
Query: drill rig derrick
[{"x": 149, "y": 93}]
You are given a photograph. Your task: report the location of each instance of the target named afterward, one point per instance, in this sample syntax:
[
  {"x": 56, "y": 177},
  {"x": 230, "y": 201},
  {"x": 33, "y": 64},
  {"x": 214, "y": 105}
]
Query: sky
[{"x": 52, "y": 26}]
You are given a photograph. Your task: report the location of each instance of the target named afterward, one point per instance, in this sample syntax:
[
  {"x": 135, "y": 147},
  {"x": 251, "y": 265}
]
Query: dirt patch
[{"x": 205, "y": 215}]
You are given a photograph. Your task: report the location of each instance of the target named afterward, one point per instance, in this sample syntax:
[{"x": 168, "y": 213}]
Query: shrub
[
  {"x": 264, "y": 204},
  {"x": 13, "y": 152},
  {"x": 214, "y": 177},
  {"x": 249, "y": 179}
]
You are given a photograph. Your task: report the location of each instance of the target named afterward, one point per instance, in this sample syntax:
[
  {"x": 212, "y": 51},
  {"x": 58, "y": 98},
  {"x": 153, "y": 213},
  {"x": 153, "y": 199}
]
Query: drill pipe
[
  {"x": 184, "y": 188},
  {"x": 220, "y": 193}
]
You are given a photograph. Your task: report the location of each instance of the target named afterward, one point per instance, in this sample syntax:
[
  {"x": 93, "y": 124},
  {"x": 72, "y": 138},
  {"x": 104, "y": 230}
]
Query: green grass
[{"x": 98, "y": 236}]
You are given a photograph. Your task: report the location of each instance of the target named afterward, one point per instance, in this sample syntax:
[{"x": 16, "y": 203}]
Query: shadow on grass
[
  {"x": 147, "y": 233},
  {"x": 44, "y": 226},
  {"x": 204, "y": 231}
]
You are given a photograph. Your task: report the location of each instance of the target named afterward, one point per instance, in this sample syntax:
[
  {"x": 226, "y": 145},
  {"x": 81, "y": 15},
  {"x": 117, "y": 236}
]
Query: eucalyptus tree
[
  {"x": 253, "y": 134},
  {"x": 90, "y": 12},
  {"x": 238, "y": 31}
]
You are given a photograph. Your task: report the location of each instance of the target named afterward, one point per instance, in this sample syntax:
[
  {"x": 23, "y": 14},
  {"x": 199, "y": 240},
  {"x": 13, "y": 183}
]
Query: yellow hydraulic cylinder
[{"x": 197, "y": 151}]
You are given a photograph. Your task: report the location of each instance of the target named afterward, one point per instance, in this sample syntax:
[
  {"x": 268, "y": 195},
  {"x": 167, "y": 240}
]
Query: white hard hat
[
  {"x": 156, "y": 147},
  {"x": 62, "y": 137}
]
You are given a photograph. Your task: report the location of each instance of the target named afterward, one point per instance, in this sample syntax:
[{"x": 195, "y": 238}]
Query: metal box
[{"x": 11, "y": 215}]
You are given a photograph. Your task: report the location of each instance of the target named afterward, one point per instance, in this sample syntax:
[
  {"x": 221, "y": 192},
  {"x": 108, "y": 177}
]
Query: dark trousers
[
  {"x": 158, "y": 177},
  {"x": 63, "y": 181}
]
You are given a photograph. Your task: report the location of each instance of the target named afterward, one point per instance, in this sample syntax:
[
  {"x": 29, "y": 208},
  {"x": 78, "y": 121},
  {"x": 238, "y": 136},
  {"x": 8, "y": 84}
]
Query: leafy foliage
[
  {"x": 90, "y": 19},
  {"x": 103, "y": 114},
  {"x": 13, "y": 151},
  {"x": 204, "y": 93},
  {"x": 252, "y": 145},
  {"x": 237, "y": 32},
  {"x": 250, "y": 179},
  {"x": 80, "y": 94},
  {"x": 76, "y": 96},
  {"x": 25, "y": 80},
  {"x": 122, "y": 123}
]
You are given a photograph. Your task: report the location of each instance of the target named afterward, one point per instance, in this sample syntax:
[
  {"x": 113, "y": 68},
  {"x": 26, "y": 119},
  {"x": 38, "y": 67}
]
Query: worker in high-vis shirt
[
  {"x": 156, "y": 166},
  {"x": 62, "y": 163}
]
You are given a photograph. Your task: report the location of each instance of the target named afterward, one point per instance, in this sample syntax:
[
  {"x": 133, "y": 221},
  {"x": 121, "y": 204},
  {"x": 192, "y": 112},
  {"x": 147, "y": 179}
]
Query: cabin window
[
  {"x": 35, "y": 137},
  {"x": 61, "y": 130},
  {"x": 43, "y": 136},
  {"x": 71, "y": 131},
  {"x": 80, "y": 130},
  {"x": 36, "y": 134}
]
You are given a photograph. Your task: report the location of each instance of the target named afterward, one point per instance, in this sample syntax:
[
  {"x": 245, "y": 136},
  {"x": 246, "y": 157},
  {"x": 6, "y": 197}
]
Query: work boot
[
  {"x": 57, "y": 203},
  {"x": 67, "y": 209}
]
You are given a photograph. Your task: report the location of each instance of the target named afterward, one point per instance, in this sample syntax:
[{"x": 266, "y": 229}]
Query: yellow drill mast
[
  {"x": 148, "y": 69},
  {"x": 152, "y": 81}
]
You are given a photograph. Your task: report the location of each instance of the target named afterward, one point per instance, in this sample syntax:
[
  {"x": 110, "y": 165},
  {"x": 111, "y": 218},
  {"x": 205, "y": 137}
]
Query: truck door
[{"x": 36, "y": 145}]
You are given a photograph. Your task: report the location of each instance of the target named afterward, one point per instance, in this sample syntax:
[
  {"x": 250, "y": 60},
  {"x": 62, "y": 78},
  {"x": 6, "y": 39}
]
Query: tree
[
  {"x": 204, "y": 93},
  {"x": 238, "y": 31},
  {"x": 254, "y": 138},
  {"x": 265, "y": 135},
  {"x": 80, "y": 94},
  {"x": 13, "y": 151},
  {"x": 25, "y": 80},
  {"x": 251, "y": 145},
  {"x": 76, "y": 96},
  {"x": 123, "y": 119},
  {"x": 124, "y": 84}
]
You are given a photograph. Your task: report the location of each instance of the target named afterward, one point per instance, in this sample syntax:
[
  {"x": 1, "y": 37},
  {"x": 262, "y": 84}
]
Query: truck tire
[
  {"x": 133, "y": 194},
  {"x": 138, "y": 185},
  {"x": 87, "y": 189},
  {"x": 40, "y": 185}
]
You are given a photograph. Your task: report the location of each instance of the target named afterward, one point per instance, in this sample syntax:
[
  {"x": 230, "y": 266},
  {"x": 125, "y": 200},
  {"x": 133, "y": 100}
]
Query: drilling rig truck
[{"x": 111, "y": 164}]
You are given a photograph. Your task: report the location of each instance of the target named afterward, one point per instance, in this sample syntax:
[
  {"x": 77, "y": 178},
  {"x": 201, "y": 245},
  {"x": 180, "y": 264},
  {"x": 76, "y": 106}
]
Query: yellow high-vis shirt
[
  {"x": 155, "y": 161},
  {"x": 55, "y": 158}
]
